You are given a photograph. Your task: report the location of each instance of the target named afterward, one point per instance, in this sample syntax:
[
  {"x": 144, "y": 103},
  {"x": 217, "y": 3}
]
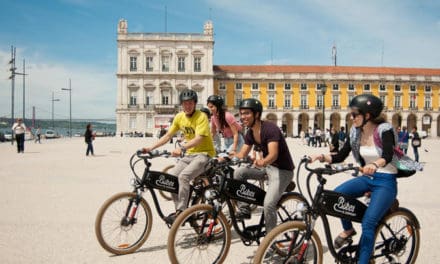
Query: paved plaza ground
[{"x": 50, "y": 196}]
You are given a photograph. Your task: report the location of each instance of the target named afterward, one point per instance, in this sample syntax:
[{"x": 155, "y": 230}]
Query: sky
[{"x": 76, "y": 39}]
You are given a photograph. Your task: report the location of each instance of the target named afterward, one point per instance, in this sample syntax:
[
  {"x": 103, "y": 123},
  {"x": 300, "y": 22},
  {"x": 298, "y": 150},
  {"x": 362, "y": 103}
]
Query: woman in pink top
[{"x": 224, "y": 122}]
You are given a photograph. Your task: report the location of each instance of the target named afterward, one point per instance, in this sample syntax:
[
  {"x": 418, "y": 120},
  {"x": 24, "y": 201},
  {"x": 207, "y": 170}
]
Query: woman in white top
[
  {"x": 224, "y": 122},
  {"x": 375, "y": 156},
  {"x": 19, "y": 129}
]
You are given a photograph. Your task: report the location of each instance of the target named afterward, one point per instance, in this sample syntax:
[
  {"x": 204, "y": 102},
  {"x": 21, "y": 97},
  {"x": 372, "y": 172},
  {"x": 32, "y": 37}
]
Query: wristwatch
[{"x": 183, "y": 149}]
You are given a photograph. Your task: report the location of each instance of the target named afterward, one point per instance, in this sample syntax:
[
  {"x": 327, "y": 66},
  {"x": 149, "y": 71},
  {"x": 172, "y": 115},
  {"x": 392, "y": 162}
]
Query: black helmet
[
  {"x": 187, "y": 94},
  {"x": 206, "y": 111},
  {"x": 252, "y": 104},
  {"x": 367, "y": 103},
  {"x": 215, "y": 100}
]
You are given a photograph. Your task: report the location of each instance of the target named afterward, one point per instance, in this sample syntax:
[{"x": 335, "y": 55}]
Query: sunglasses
[{"x": 354, "y": 115}]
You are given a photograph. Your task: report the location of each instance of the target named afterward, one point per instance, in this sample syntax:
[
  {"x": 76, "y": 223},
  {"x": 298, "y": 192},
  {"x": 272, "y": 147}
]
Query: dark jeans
[
  {"x": 20, "y": 142},
  {"x": 89, "y": 148},
  {"x": 416, "y": 153}
]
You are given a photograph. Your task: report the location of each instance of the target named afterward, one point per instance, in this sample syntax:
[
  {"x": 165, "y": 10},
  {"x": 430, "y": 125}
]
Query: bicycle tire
[
  {"x": 275, "y": 246},
  {"x": 403, "y": 243},
  {"x": 115, "y": 236},
  {"x": 186, "y": 245},
  {"x": 288, "y": 207},
  {"x": 166, "y": 195}
]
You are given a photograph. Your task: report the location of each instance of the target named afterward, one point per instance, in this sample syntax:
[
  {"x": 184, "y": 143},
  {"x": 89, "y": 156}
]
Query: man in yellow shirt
[{"x": 198, "y": 147}]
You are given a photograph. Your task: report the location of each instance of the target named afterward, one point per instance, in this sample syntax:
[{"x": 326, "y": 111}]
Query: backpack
[{"x": 405, "y": 165}]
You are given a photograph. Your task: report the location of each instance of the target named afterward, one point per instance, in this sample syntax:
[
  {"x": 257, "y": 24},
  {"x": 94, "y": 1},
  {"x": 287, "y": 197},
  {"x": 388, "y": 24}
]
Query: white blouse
[{"x": 370, "y": 155}]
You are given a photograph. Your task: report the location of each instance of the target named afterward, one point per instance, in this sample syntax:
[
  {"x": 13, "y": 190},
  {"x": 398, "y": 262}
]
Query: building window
[
  {"x": 181, "y": 64},
  {"x": 335, "y": 100},
  {"x": 397, "y": 88},
  {"x": 319, "y": 86},
  {"x": 132, "y": 121},
  {"x": 412, "y": 88},
  {"x": 222, "y": 86},
  {"x": 335, "y": 87},
  {"x": 427, "y": 89},
  {"x": 238, "y": 98},
  {"x": 133, "y": 98},
  {"x": 165, "y": 99},
  {"x": 271, "y": 101},
  {"x": 412, "y": 101},
  {"x": 149, "y": 64},
  {"x": 165, "y": 63},
  {"x": 303, "y": 102},
  {"x": 351, "y": 87},
  {"x": 427, "y": 101},
  {"x": 383, "y": 98},
  {"x": 149, "y": 122},
  {"x": 255, "y": 96},
  {"x": 350, "y": 97},
  {"x": 254, "y": 86},
  {"x": 238, "y": 86},
  {"x": 287, "y": 102},
  {"x": 303, "y": 86},
  {"x": 319, "y": 101},
  {"x": 397, "y": 103},
  {"x": 382, "y": 87},
  {"x": 287, "y": 86},
  {"x": 133, "y": 64},
  {"x": 367, "y": 87},
  {"x": 271, "y": 86},
  {"x": 197, "y": 64}
]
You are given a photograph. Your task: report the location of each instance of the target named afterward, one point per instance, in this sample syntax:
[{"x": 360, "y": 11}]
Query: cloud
[{"x": 93, "y": 89}]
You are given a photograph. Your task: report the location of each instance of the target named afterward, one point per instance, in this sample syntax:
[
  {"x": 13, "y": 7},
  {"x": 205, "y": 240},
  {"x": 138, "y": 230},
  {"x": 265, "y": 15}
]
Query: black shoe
[
  {"x": 340, "y": 241},
  {"x": 172, "y": 217},
  {"x": 242, "y": 214}
]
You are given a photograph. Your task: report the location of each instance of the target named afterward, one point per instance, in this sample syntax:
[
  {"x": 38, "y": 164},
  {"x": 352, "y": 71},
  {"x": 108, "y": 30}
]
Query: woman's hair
[
  {"x": 89, "y": 126},
  {"x": 379, "y": 119},
  {"x": 222, "y": 118}
]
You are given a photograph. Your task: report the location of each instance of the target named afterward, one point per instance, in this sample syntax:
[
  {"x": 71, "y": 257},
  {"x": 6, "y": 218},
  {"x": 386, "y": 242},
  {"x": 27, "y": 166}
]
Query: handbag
[
  {"x": 405, "y": 165},
  {"x": 416, "y": 142}
]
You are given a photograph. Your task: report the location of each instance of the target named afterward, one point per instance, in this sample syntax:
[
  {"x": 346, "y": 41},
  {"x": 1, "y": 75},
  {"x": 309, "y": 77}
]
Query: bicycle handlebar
[{"x": 330, "y": 169}]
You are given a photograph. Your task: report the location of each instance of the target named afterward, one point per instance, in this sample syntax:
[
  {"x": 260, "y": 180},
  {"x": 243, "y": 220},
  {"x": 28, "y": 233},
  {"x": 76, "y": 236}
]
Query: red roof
[{"x": 324, "y": 69}]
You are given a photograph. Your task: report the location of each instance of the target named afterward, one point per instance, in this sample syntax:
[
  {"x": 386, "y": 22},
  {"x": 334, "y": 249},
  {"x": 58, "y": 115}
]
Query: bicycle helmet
[
  {"x": 188, "y": 94},
  {"x": 215, "y": 100},
  {"x": 206, "y": 111},
  {"x": 367, "y": 103},
  {"x": 253, "y": 104}
]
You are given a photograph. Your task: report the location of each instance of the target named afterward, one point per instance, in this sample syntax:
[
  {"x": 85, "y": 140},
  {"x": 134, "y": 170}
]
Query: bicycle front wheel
[
  {"x": 286, "y": 243},
  {"x": 196, "y": 237},
  {"x": 121, "y": 226},
  {"x": 397, "y": 239}
]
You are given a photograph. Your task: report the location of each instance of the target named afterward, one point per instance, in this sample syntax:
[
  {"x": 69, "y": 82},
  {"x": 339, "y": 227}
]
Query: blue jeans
[
  {"x": 383, "y": 188},
  {"x": 416, "y": 153},
  {"x": 89, "y": 148},
  {"x": 229, "y": 143}
]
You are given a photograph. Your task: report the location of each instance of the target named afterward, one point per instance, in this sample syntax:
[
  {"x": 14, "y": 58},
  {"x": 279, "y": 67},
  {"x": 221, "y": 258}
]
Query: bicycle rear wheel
[
  {"x": 397, "y": 238},
  {"x": 120, "y": 227},
  {"x": 196, "y": 237},
  {"x": 286, "y": 242},
  {"x": 288, "y": 207}
]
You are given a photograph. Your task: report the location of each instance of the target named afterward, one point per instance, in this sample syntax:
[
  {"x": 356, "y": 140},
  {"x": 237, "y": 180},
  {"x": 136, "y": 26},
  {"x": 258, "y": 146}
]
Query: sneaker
[
  {"x": 243, "y": 214},
  {"x": 172, "y": 217}
]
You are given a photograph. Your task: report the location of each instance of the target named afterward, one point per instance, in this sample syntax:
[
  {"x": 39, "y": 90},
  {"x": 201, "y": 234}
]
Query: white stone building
[{"x": 152, "y": 70}]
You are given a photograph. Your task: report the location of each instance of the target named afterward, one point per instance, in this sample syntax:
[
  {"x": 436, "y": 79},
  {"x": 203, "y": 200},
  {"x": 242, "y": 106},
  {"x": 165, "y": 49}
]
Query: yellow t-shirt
[{"x": 197, "y": 124}]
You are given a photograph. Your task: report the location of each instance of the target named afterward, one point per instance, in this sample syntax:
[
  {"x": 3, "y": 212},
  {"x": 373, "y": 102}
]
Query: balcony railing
[
  {"x": 303, "y": 107},
  {"x": 166, "y": 109},
  {"x": 336, "y": 107},
  {"x": 133, "y": 106},
  {"x": 413, "y": 108},
  {"x": 397, "y": 108},
  {"x": 427, "y": 108}
]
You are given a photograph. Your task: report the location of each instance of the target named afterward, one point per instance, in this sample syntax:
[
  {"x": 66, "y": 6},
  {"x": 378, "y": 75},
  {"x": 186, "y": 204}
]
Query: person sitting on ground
[
  {"x": 275, "y": 162},
  {"x": 198, "y": 148},
  {"x": 379, "y": 174}
]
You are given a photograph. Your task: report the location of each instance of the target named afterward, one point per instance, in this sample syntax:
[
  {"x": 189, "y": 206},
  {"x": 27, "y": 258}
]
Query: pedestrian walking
[
  {"x": 38, "y": 135},
  {"x": 19, "y": 129},
  {"x": 416, "y": 143},
  {"x": 89, "y": 137}
]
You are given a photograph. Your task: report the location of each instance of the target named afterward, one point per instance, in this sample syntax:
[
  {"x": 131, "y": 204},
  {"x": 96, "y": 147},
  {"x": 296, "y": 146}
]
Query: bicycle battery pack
[
  {"x": 244, "y": 192},
  {"x": 342, "y": 206},
  {"x": 163, "y": 181}
]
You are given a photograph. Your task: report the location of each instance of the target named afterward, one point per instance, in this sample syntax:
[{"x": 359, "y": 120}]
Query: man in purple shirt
[{"x": 275, "y": 162}]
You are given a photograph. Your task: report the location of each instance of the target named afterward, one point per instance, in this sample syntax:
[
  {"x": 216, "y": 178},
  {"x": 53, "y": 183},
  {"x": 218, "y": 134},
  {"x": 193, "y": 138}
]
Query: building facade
[
  {"x": 302, "y": 97},
  {"x": 154, "y": 67},
  {"x": 152, "y": 70}
]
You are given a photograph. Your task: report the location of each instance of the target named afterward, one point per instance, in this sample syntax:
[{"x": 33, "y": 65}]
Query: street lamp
[
  {"x": 53, "y": 100},
  {"x": 323, "y": 89},
  {"x": 70, "y": 106}
]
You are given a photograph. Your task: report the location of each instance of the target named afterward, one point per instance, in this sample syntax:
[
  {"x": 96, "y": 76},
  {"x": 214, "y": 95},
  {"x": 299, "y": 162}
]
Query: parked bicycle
[
  {"x": 124, "y": 221},
  {"x": 201, "y": 233},
  {"x": 397, "y": 235}
]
